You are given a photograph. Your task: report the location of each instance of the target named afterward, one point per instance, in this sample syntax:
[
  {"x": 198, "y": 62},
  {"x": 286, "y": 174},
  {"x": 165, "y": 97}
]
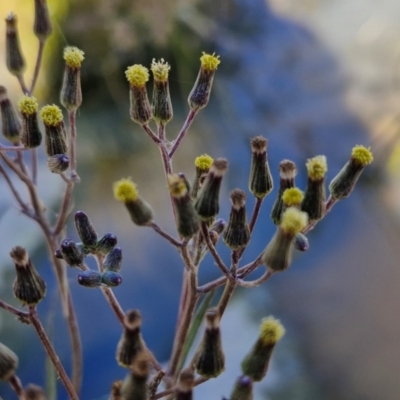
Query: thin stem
[
  {"x": 63, "y": 214},
  {"x": 37, "y": 66},
  {"x": 72, "y": 145},
  {"x": 12, "y": 148},
  {"x": 16, "y": 384},
  {"x": 21, "y": 315},
  {"x": 52, "y": 354},
  {"x": 22, "y": 84},
  {"x": 152, "y": 135},
  {"x": 165, "y": 235},
  {"x": 113, "y": 302},
  {"x": 182, "y": 133},
  {"x": 186, "y": 259},
  {"x": 257, "y": 282},
  {"x": 172, "y": 390},
  {"x": 256, "y": 212}
]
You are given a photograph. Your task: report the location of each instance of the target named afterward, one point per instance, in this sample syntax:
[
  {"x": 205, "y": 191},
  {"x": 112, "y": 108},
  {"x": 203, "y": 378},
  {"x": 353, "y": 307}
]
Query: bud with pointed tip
[
  {"x": 10, "y": 123},
  {"x": 161, "y": 105},
  {"x": 14, "y": 58},
  {"x": 28, "y": 287},
  {"x": 209, "y": 357},
  {"x": 90, "y": 279},
  {"x": 8, "y": 363}
]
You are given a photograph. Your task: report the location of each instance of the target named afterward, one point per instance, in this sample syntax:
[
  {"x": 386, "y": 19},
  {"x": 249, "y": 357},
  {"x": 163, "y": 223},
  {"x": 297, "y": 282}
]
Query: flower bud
[
  {"x": 209, "y": 357},
  {"x": 71, "y": 92},
  {"x": 34, "y": 392},
  {"x": 287, "y": 173},
  {"x": 277, "y": 255},
  {"x": 187, "y": 220},
  {"x": 300, "y": 242},
  {"x": 72, "y": 253},
  {"x": 161, "y": 105},
  {"x": 42, "y": 26},
  {"x": 14, "y": 58},
  {"x": 91, "y": 279},
  {"x": 134, "y": 387},
  {"x": 203, "y": 164},
  {"x": 139, "y": 210},
  {"x": 255, "y": 364},
  {"x": 8, "y": 363},
  {"x": 58, "y": 163},
  {"x": 200, "y": 94},
  {"x": 140, "y": 110},
  {"x": 243, "y": 389},
  {"x": 131, "y": 342},
  {"x": 314, "y": 199},
  {"x": 85, "y": 230},
  {"x": 185, "y": 385},
  {"x": 56, "y": 137},
  {"x": 111, "y": 278},
  {"x": 207, "y": 201},
  {"x": 344, "y": 182},
  {"x": 31, "y": 136},
  {"x": 106, "y": 243},
  {"x": 260, "y": 182},
  {"x": 28, "y": 287},
  {"x": 113, "y": 260},
  {"x": 237, "y": 232},
  {"x": 10, "y": 123}
]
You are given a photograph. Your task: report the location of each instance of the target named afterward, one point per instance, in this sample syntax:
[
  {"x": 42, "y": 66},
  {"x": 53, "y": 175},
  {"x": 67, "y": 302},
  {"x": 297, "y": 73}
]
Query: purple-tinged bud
[
  {"x": 113, "y": 260},
  {"x": 91, "y": 279},
  {"x": 71, "y": 253},
  {"x": 243, "y": 389},
  {"x": 106, "y": 243},
  {"x": 58, "y": 163},
  {"x": 85, "y": 230},
  {"x": 111, "y": 278}
]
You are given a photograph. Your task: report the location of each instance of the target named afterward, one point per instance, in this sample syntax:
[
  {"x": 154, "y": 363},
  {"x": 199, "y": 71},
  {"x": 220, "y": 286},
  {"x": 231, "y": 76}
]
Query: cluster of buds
[{"x": 103, "y": 249}]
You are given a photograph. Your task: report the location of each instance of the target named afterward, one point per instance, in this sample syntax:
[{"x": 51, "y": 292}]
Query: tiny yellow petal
[
  {"x": 293, "y": 220},
  {"x": 317, "y": 167},
  {"x": 292, "y": 197},
  {"x": 271, "y": 330},
  {"x": 209, "y": 61},
  {"x": 28, "y": 105},
  {"x": 362, "y": 154},
  {"x": 137, "y": 75},
  {"x": 51, "y": 115},
  {"x": 73, "y": 56},
  {"x": 160, "y": 70},
  {"x": 125, "y": 190},
  {"x": 203, "y": 162}
]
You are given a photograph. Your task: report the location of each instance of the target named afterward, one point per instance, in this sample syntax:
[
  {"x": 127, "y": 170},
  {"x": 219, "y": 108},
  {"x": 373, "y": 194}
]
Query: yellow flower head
[
  {"x": 292, "y": 197},
  {"x": 203, "y": 162},
  {"x": 73, "y": 56},
  {"x": 176, "y": 185},
  {"x": 271, "y": 330},
  {"x": 28, "y": 105},
  {"x": 293, "y": 220},
  {"x": 125, "y": 190},
  {"x": 51, "y": 115},
  {"x": 137, "y": 75},
  {"x": 160, "y": 70},
  {"x": 362, "y": 155},
  {"x": 209, "y": 61},
  {"x": 316, "y": 167}
]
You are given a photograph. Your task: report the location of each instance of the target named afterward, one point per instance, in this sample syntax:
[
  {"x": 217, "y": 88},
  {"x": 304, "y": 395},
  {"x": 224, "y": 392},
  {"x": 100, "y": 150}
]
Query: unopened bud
[
  {"x": 11, "y": 125},
  {"x": 161, "y": 105},
  {"x": 72, "y": 253},
  {"x": 207, "y": 201},
  {"x": 140, "y": 109},
  {"x": 111, "y": 278},
  {"x": 31, "y": 136},
  {"x": 209, "y": 357},
  {"x": 106, "y": 243},
  {"x": 91, "y": 279},
  {"x": 255, "y": 364},
  {"x": 85, "y": 230},
  {"x": 34, "y": 392},
  {"x": 200, "y": 94},
  {"x": 8, "y": 362},
  {"x": 113, "y": 260},
  {"x": 260, "y": 182},
  {"x": 56, "y": 137},
  {"x": 139, "y": 210},
  {"x": 185, "y": 385},
  {"x": 287, "y": 173},
  {"x": 42, "y": 26},
  {"x": 187, "y": 220},
  {"x": 237, "y": 232},
  {"x": 28, "y": 287},
  {"x": 300, "y": 242},
  {"x": 14, "y": 58},
  {"x": 58, "y": 163},
  {"x": 243, "y": 389}
]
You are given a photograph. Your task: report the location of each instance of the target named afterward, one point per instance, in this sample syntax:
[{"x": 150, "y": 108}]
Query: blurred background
[{"x": 314, "y": 77}]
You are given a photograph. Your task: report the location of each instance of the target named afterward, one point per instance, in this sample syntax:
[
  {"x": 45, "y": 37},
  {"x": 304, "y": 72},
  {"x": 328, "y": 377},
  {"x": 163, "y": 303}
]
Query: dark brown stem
[
  {"x": 52, "y": 354},
  {"x": 182, "y": 133},
  {"x": 16, "y": 384},
  {"x": 72, "y": 145}
]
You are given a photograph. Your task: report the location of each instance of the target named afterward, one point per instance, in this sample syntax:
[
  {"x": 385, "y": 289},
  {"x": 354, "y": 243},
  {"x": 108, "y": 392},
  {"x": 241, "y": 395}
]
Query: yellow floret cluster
[
  {"x": 209, "y": 61},
  {"x": 176, "y": 185},
  {"x": 293, "y": 220},
  {"x": 203, "y": 162},
  {"x": 51, "y": 115},
  {"x": 317, "y": 167},
  {"x": 160, "y": 70},
  {"x": 362, "y": 155},
  {"x": 137, "y": 75},
  {"x": 292, "y": 197},
  {"x": 125, "y": 190},
  {"x": 73, "y": 56},
  {"x": 28, "y": 105},
  {"x": 271, "y": 330}
]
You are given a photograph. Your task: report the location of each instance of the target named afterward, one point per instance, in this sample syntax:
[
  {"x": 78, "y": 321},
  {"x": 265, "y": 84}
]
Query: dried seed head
[
  {"x": 11, "y": 124},
  {"x": 14, "y": 58},
  {"x": 8, "y": 362},
  {"x": 42, "y": 26},
  {"x": 200, "y": 94},
  {"x": 90, "y": 279},
  {"x": 28, "y": 287}
]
